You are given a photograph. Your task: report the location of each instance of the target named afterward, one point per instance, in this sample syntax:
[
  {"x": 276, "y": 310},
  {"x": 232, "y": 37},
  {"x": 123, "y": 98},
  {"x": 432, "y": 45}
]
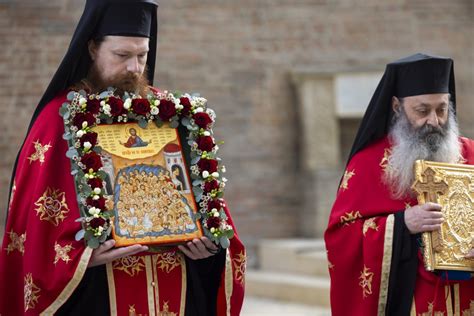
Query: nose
[
  {"x": 133, "y": 65},
  {"x": 433, "y": 119}
]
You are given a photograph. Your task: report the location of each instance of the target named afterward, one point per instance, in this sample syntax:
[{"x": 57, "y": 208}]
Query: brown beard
[{"x": 129, "y": 82}]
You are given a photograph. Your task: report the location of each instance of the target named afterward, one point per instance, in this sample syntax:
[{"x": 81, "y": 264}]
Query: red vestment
[
  {"x": 359, "y": 241},
  {"x": 41, "y": 263}
]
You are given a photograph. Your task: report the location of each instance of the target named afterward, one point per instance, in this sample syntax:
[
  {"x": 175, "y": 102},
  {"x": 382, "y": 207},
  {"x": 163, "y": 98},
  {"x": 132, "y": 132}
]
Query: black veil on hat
[
  {"x": 101, "y": 18},
  {"x": 412, "y": 75}
]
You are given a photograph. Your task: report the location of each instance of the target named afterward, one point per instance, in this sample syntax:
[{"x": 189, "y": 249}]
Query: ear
[
  {"x": 92, "y": 47},
  {"x": 396, "y": 105}
]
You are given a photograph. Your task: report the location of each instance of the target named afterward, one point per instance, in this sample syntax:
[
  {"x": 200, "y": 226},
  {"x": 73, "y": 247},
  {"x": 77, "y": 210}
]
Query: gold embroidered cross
[
  {"x": 62, "y": 253},
  {"x": 39, "y": 153},
  {"x": 345, "y": 179},
  {"x": 17, "y": 242},
  {"x": 430, "y": 188}
]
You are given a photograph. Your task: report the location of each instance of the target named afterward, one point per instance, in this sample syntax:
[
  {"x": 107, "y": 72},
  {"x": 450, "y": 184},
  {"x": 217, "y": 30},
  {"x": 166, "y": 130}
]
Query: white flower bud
[
  {"x": 206, "y": 133},
  {"x": 205, "y": 174},
  {"x": 224, "y": 179},
  {"x": 156, "y": 102},
  {"x": 215, "y": 174},
  {"x": 84, "y": 124},
  {"x": 82, "y": 101},
  {"x": 87, "y": 145},
  {"x": 154, "y": 110},
  {"x": 80, "y": 133},
  {"x": 127, "y": 104},
  {"x": 199, "y": 110},
  {"x": 97, "y": 190},
  {"x": 216, "y": 214},
  {"x": 94, "y": 211},
  {"x": 213, "y": 229},
  {"x": 223, "y": 169},
  {"x": 96, "y": 197},
  {"x": 214, "y": 210},
  {"x": 100, "y": 229}
]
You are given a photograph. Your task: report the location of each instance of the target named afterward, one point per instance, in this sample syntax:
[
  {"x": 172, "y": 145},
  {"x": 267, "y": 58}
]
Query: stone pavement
[{"x": 254, "y": 306}]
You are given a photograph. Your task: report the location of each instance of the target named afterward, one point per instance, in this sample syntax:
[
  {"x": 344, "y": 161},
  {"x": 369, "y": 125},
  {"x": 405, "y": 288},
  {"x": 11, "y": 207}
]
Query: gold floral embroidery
[
  {"x": 167, "y": 261},
  {"x": 166, "y": 311},
  {"x": 470, "y": 311},
  {"x": 131, "y": 265},
  {"x": 52, "y": 207},
  {"x": 370, "y": 223},
  {"x": 330, "y": 265},
  {"x": 350, "y": 217},
  {"x": 345, "y": 179},
  {"x": 39, "y": 153},
  {"x": 62, "y": 253},
  {"x": 17, "y": 242},
  {"x": 132, "y": 311},
  {"x": 430, "y": 311},
  {"x": 386, "y": 155},
  {"x": 407, "y": 205},
  {"x": 240, "y": 265},
  {"x": 31, "y": 293},
  {"x": 366, "y": 281}
]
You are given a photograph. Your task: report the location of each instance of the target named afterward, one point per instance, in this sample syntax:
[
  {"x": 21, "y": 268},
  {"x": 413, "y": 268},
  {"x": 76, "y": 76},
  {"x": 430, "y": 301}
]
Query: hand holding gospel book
[{"x": 451, "y": 186}]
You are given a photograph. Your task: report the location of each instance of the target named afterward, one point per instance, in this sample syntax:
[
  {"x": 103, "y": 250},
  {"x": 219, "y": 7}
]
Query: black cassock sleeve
[{"x": 403, "y": 269}]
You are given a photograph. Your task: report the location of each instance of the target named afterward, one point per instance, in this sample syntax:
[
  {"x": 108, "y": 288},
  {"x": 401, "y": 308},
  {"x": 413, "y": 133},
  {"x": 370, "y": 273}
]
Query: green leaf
[
  {"x": 87, "y": 190},
  {"x": 71, "y": 152},
  {"x": 195, "y": 160},
  {"x": 109, "y": 120},
  {"x": 104, "y": 94},
  {"x": 67, "y": 136},
  {"x": 93, "y": 243},
  {"x": 158, "y": 122},
  {"x": 80, "y": 234},
  {"x": 71, "y": 95},
  {"x": 142, "y": 123},
  {"x": 224, "y": 241},
  {"x": 197, "y": 182},
  {"x": 97, "y": 149},
  {"x": 102, "y": 174},
  {"x": 174, "y": 124},
  {"x": 230, "y": 233},
  {"x": 185, "y": 121}
]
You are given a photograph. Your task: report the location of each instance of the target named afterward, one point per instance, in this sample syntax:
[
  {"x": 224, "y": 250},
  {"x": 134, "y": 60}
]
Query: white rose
[
  {"x": 82, "y": 101},
  {"x": 87, "y": 145},
  {"x": 156, "y": 102},
  {"x": 80, "y": 133},
  {"x": 215, "y": 174},
  {"x": 199, "y": 110},
  {"x": 127, "y": 104},
  {"x": 97, "y": 190},
  {"x": 205, "y": 174},
  {"x": 154, "y": 110}
]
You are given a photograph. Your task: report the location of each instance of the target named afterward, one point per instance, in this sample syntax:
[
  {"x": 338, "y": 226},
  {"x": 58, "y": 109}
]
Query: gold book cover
[
  {"x": 147, "y": 185},
  {"x": 451, "y": 186}
]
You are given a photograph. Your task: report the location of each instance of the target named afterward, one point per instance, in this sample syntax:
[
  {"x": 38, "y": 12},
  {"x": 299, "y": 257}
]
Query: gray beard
[{"x": 410, "y": 144}]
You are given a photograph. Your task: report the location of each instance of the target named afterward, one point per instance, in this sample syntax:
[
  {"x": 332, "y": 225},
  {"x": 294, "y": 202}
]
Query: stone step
[
  {"x": 292, "y": 288},
  {"x": 256, "y": 306},
  {"x": 300, "y": 256}
]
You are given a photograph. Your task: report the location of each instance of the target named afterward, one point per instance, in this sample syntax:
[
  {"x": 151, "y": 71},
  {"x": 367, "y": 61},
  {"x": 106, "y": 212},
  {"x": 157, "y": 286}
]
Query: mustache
[{"x": 432, "y": 135}]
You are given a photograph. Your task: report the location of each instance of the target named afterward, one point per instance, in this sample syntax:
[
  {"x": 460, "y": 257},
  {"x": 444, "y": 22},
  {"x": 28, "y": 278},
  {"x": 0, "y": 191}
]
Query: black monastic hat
[{"x": 413, "y": 75}]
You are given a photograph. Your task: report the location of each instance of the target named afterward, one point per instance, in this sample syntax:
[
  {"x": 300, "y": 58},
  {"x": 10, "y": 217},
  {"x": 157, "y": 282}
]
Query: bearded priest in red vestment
[
  {"x": 373, "y": 236},
  {"x": 43, "y": 269}
]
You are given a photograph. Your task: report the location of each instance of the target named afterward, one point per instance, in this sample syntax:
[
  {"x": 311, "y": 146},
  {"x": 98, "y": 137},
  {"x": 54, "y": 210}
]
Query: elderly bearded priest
[
  {"x": 43, "y": 269},
  {"x": 373, "y": 233}
]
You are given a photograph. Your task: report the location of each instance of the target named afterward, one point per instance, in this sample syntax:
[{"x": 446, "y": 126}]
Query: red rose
[
  {"x": 95, "y": 183},
  {"x": 186, "y": 105},
  {"x": 217, "y": 204},
  {"x": 100, "y": 203},
  {"x": 205, "y": 143},
  {"x": 93, "y": 106},
  {"x": 207, "y": 164},
  {"x": 96, "y": 222},
  {"x": 90, "y": 137},
  {"x": 167, "y": 110},
  {"x": 211, "y": 185},
  {"x": 140, "y": 106},
  {"x": 91, "y": 161},
  {"x": 202, "y": 119},
  {"x": 79, "y": 118},
  {"x": 116, "y": 106},
  {"x": 213, "y": 222}
]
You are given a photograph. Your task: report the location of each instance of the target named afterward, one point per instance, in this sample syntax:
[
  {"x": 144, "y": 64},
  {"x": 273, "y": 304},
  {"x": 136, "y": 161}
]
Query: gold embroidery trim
[
  {"x": 131, "y": 265},
  {"x": 470, "y": 311},
  {"x": 386, "y": 155},
  {"x": 449, "y": 304},
  {"x": 40, "y": 151},
  {"x": 345, "y": 179},
  {"x": 457, "y": 303},
  {"x": 31, "y": 293},
  {"x": 62, "y": 253},
  {"x": 111, "y": 284},
  {"x": 166, "y": 310},
  {"x": 240, "y": 264},
  {"x": 386, "y": 264},
  {"x": 167, "y": 261},
  {"x": 151, "y": 284},
  {"x": 229, "y": 282},
  {"x": 366, "y": 281},
  {"x": 52, "y": 207},
  {"x": 183, "y": 285},
  {"x": 17, "y": 242},
  {"x": 350, "y": 217},
  {"x": 369, "y": 224},
  {"x": 73, "y": 283}
]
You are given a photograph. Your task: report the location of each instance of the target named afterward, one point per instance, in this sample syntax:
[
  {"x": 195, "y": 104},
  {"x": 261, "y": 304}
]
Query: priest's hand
[
  {"x": 423, "y": 218},
  {"x": 105, "y": 253},
  {"x": 199, "y": 248}
]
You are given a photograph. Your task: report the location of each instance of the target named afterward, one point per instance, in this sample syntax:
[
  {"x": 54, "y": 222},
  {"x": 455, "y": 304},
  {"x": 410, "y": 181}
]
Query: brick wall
[{"x": 239, "y": 55}]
